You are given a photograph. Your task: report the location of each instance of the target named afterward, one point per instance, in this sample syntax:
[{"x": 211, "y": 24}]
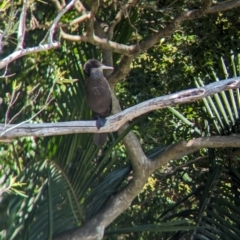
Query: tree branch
[
  {"x": 152, "y": 40},
  {"x": 57, "y": 19},
  {"x": 119, "y": 15},
  {"x": 101, "y": 42},
  {"x": 184, "y": 148},
  {"x": 130, "y": 51},
  {"x": 94, "y": 228},
  {"x": 50, "y": 45},
  {"x": 121, "y": 71},
  {"x": 113, "y": 123},
  {"x": 20, "y": 53},
  {"x": 57, "y": 4},
  {"x": 22, "y": 25}
]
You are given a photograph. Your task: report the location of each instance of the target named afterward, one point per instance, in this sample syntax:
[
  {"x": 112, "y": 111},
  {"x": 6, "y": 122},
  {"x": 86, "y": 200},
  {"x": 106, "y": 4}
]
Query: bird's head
[{"x": 94, "y": 64}]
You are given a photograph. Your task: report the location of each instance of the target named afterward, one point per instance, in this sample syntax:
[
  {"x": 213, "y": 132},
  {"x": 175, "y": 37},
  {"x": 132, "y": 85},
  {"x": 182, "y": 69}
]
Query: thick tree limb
[
  {"x": 94, "y": 228},
  {"x": 131, "y": 142},
  {"x": 101, "y": 42},
  {"x": 114, "y": 122},
  {"x": 184, "y": 148},
  {"x": 121, "y": 71}
]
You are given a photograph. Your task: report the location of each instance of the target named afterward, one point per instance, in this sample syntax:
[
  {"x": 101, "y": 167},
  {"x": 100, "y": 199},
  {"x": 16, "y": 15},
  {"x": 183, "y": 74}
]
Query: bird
[{"x": 98, "y": 96}]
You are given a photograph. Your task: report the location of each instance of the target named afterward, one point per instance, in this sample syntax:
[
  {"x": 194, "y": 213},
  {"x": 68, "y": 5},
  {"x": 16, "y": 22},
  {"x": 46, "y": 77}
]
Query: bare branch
[
  {"x": 101, "y": 42},
  {"x": 79, "y": 7},
  {"x": 131, "y": 51},
  {"x": 94, "y": 8},
  {"x": 57, "y": 4},
  {"x": 49, "y": 99},
  {"x": 94, "y": 228},
  {"x": 207, "y": 4},
  {"x": 119, "y": 15},
  {"x": 80, "y": 19},
  {"x": 63, "y": 2},
  {"x": 90, "y": 24},
  {"x": 115, "y": 47},
  {"x": 113, "y": 123},
  {"x": 22, "y": 25},
  {"x": 11, "y": 103},
  {"x": 5, "y": 73},
  {"x": 28, "y": 120},
  {"x": 1, "y": 42},
  {"x": 174, "y": 169},
  {"x": 184, "y": 148},
  {"x": 57, "y": 19},
  {"x": 152, "y": 40},
  {"x": 20, "y": 53},
  {"x": 184, "y": 16},
  {"x": 20, "y": 111},
  {"x": 224, "y": 6}
]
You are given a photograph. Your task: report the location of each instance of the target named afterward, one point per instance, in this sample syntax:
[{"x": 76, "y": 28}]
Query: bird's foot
[{"x": 100, "y": 122}]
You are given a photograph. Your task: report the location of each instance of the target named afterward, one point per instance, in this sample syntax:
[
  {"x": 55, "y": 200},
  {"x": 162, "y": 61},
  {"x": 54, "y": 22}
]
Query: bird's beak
[{"x": 106, "y": 67}]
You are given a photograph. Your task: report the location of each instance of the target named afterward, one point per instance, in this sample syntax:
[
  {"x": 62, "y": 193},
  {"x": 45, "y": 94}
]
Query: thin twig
[
  {"x": 47, "y": 102},
  {"x": 119, "y": 15},
  {"x": 80, "y": 19},
  {"x": 28, "y": 120},
  {"x": 11, "y": 103},
  {"x": 170, "y": 173},
  {"x": 57, "y": 19},
  {"x": 24, "y": 107}
]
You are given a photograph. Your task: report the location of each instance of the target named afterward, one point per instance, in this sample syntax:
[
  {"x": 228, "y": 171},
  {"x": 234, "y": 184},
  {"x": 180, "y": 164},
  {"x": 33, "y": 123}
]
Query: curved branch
[
  {"x": 119, "y": 15},
  {"x": 57, "y": 4},
  {"x": 94, "y": 228},
  {"x": 113, "y": 123},
  {"x": 101, "y": 42},
  {"x": 184, "y": 148},
  {"x": 22, "y": 25},
  {"x": 185, "y": 16},
  {"x": 22, "y": 52},
  {"x": 42, "y": 47},
  {"x": 121, "y": 71},
  {"x": 130, "y": 51}
]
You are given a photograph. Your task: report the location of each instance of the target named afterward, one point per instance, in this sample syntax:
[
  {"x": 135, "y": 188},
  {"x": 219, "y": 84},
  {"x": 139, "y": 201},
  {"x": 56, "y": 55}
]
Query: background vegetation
[{"x": 52, "y": 184}]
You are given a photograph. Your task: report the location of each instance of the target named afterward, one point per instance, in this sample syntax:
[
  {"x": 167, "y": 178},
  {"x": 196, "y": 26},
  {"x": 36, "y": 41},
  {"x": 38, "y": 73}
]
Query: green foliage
[
  {"x": 200, "y": 189},
  {"x": 49, "y": 185}
]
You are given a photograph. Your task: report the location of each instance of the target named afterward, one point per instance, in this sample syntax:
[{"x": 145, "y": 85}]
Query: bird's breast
[{"x": 98, "y": 95}]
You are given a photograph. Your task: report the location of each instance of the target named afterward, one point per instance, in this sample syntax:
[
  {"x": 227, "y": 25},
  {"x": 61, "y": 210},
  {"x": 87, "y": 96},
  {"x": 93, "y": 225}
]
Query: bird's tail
[{"x": 100, "y": 138}]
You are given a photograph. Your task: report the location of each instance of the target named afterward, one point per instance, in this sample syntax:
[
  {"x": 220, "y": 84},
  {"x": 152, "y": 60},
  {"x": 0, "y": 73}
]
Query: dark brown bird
[{"x": 98, "y": 96}]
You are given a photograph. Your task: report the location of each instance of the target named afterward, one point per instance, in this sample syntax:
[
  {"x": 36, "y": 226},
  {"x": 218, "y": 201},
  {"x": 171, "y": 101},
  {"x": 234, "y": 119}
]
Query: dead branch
[
  {"x": 20, "y": 52},
  {"x": 113, "y": 123}
]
